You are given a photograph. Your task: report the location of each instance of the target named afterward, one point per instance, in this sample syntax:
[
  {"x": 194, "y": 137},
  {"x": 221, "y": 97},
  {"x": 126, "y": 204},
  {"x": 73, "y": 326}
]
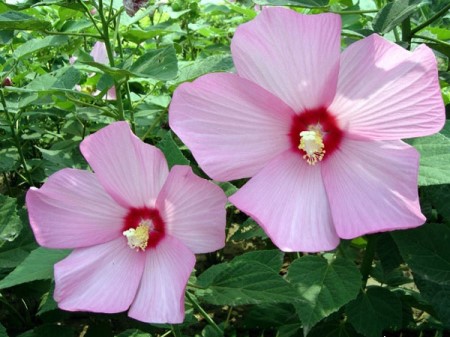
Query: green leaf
[
  {"x": 374, "y": 310},
  {"x": 50, "y": 330},
  {"x": 34, "y": 45},
  {"x": 133, "y": 333},
  {"x": 334, "y": 326},
  {"x": 393, "y": 14},
  {"x": 439, "y": 196},
  {"x": 215, "y": 63},
  {"x": 161, "y": 64},
  {"x": 323, "y": 285},
  {"x": 171, "y": 151},
  {"x": 249, "y": 229},
  {"x": 21, "y": 21},
  {"x": 64, "y": 78},
  {"x": 297, "y": 3},
  {"x": 9, "y": 158},
  {"x": 270, "y": 316},
  {"x": 10, "y": 224},
  {"x": 434, "y": 158},
  {"x": 3, "y": 332},
  {"x": 14, "y": 252},
  {"x": 37, "y": 266},
  {"x": 245, "y": 280},
  {"x": 271, "y": 258},
  {"x": 425, "y": 250}
]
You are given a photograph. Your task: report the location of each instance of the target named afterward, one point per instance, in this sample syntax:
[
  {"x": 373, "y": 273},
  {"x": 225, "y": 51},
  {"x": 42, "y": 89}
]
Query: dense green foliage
[{"x": 382, "y": 284}]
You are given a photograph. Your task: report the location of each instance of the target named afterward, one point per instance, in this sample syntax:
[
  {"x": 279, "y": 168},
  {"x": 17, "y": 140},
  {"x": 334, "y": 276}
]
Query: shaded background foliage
[{"x": 392, "y": 284}]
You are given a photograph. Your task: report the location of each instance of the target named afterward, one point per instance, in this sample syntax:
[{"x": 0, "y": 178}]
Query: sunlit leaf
[
  {"x": 394, "y": 13},
  {"x": 21, "y": 21},
  {"x": 37, "y": 266},
  {"x": 10, "y": 224},
  {"x": 323, "y": 285}
]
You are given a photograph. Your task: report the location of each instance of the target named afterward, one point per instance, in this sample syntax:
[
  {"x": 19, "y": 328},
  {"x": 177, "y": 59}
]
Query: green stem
[
  {"x": 16, "y": 139},
  {"x": 109, "y": 51},
  {"x": 88, "y": 12},
  {"x": 432, "y": 40},
  {"x": 366, "y": 264},
  {"x": 203, "y": 312},
  {"x": 431, "y": 20},
  {"x": 406, "y": 32},
  {"x": 176, "y": 330}
]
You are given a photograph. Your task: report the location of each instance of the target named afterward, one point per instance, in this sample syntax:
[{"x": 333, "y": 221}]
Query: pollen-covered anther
[
  {"x": 311, "y": 142},
  {"x": 138, "y": 237}
]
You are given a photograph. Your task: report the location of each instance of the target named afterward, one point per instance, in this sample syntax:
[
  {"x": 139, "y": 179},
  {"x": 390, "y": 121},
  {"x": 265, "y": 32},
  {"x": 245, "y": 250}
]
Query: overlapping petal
[
  {"x": 131, "y": 171},
  {"x": 232, "y": 126},
  {"x": 372, "y": 187},
  {"x": 102, "y": 278},
  {"x": 160, "y": 298},
  {"x": 287, "y": 198},
  {"x": 294, "y": 56},
  {"x": 386, "y": 92},
  {"x": 193, "y": 210},
  {"x": 73, "y": 210}
]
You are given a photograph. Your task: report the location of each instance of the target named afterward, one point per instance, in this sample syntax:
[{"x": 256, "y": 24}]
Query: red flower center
[
  {"x": 315, "y": 134},
  {"x": 143, "y": 228}
]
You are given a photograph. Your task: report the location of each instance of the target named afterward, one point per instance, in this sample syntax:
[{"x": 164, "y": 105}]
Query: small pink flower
[
  {"x": 134, "y": 226},
  {"x": 100, "y": 55},
  {"x": 317, "y": 130}
]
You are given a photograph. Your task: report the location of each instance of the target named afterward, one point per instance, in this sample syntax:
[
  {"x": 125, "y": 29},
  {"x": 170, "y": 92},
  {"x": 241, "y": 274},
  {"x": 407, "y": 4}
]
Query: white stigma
[{"x": 312, "y": 143}]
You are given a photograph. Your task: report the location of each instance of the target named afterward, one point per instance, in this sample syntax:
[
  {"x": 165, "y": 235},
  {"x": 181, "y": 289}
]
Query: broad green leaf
[
  {"x": 425, "y": 250},
  {"x": 160, "y": 64},
  {"x": 434, "y": 158},
  {"x": 3, "y": 332},
  {"x": 270, "y": 316},
  {"x": 249, "y": 229},
  {"x": 37, "y": 266},
  {"x": 443, "y": 48},
  {"x": 34, "y": 45},
  {"x": 10, "y": 224},
  {"x": 393, "y": 14},
  {"x": 374, "y": 310},
  {"x": 323, "y": 285},
  {"x": 137, "y": 35},
  {"x": 228, "y": 188},
  {"x": 334, "y": 326},
  {"x": 9, "y": 159},
  {"x": 12, "y": 253},
  {"x": 271, "y": 258},
  {"x": 171, "y": 151},
  {"x": 297, "y": 3},
  {"x": 64, "y": 78},
  {"x": 21, "y": 21},
  {"x": 133, "y": 333},
  {"x": 244, "y": 282},
  {"x": 215, "y": 63},
  {"x": 48, "y": 303}
]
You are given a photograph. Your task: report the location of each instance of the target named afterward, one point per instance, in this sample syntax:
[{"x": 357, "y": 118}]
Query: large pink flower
[
  {"x": 317, "y": 130},
  {"x": 134, "y": 225}
]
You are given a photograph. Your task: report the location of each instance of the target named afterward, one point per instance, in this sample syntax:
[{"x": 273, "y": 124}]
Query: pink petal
[
  {"x": 287, "y": 198},
  {"x": 372, "y": 187},
  {"x": 232, "y": 126},
  {"x": 160, "y": 298},
  {"x": 73, "y": 210},
  {"x": 294, "y": 56},
  {"x": 99, "y": 53},
  {"x": 102, "y": 278},
  {"x": 193, "y": 210},
  {"x": 386, "y": 92},
  {"x": 131, "y": 171}
]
